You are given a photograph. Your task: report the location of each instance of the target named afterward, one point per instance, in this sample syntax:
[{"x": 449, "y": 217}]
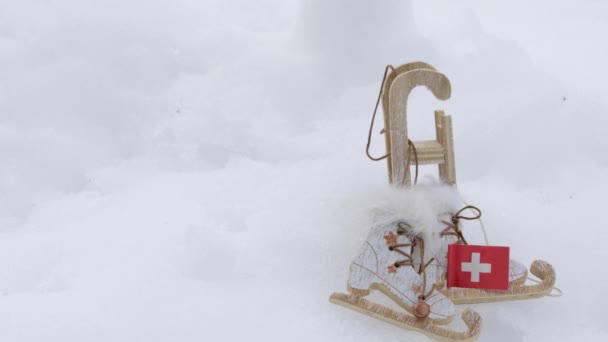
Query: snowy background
[{"x": 194, "y": 170}]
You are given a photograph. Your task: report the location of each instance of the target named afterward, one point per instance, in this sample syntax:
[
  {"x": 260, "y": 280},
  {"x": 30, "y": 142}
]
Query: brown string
[
  {"x": 472, "y": 207},
  {"x": 408, "y": 162},
  {"x": 413, "y": 147},
  {"x": 409, "y": 260},
  {"x": 453, "y": 229},
  {"x": 371, "y": 126},
  {"x": 371, "y": 129}
]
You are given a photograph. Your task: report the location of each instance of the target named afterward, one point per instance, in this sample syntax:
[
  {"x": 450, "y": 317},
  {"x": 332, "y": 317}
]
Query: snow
[{"x": 195, "y": 171}]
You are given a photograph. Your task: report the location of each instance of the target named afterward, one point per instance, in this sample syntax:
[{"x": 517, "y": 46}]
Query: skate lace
[
  {"x": 403, "y": 229},
  {"x": 453, "y": 228}
]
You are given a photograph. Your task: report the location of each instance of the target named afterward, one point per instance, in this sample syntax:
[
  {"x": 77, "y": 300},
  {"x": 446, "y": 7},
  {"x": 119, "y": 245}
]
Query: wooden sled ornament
[
  {"x": 397, "y": 87},
  {"x": 428, "y": 307}
]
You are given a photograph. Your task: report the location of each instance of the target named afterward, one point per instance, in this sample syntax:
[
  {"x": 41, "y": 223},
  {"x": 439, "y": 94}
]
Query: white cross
[{"x": 475, "y": 267}]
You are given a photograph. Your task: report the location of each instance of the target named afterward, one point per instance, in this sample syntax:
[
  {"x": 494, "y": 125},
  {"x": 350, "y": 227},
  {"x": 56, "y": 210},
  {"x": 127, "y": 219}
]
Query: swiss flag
[{"x": 479, "y": 267}]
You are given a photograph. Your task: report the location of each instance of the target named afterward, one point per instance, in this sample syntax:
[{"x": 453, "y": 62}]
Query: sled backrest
[{"x": 397, "y": 88}]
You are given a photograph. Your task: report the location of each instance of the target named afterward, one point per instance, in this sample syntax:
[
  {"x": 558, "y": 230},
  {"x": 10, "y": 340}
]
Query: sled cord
[{"x": 371, "y": 126}]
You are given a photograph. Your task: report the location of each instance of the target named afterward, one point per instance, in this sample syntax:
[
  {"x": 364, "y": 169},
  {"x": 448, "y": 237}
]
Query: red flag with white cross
[{"x": 478, "y": 267}]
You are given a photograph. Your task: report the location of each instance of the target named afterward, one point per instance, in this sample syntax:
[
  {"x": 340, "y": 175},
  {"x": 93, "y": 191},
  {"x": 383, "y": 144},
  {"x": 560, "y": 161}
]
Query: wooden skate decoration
[
  {"x": 418, "y": 286},
  {"x": 378, "y": 267},
  {"x": 397, "y": 86},
  {"x": 386, "y": 261},
  {"x": 517, "y": 279}
]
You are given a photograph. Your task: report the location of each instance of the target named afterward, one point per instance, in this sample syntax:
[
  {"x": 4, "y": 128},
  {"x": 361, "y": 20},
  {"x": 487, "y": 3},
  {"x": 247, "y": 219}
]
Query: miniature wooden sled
[{"x": 395, "y": 92}]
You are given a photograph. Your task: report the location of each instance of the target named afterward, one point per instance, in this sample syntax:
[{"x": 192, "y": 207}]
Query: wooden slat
[
  {"x": 450, "y": 176},
  {"x": 439, "y": 114}
]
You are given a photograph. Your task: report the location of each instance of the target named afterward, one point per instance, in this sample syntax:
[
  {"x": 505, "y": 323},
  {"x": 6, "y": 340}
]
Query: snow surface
[{"x": 194, "y": 171}]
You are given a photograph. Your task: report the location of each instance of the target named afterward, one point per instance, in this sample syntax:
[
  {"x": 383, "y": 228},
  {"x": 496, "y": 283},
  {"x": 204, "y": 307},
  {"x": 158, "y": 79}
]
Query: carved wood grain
[{"x": 399, "y": 92}]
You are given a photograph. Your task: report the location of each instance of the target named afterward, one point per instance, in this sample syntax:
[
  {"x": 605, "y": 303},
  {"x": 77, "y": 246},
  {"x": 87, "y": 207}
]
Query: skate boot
[
  {"x": 392, "y": 262},
  {"x": 451, "y": 233}
]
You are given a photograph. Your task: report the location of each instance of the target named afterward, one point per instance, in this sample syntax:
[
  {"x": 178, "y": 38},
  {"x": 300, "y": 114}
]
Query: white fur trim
[{"x": 421, "y": 207}]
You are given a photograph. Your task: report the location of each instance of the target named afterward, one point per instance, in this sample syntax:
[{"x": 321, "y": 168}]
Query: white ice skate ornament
[{"x": 405, "y": 254}]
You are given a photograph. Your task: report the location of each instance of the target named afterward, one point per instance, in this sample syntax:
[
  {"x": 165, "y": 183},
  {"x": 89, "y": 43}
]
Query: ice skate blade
[
  {"x": 542, "y": 269},
  {"x": 404, "y": 320}
]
